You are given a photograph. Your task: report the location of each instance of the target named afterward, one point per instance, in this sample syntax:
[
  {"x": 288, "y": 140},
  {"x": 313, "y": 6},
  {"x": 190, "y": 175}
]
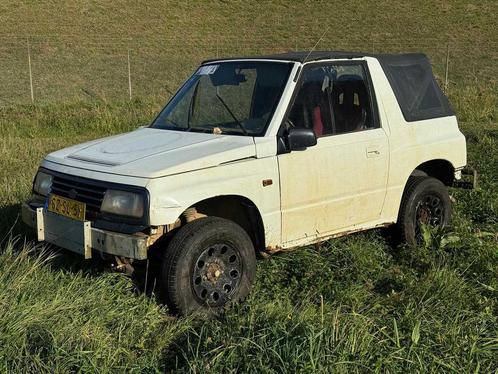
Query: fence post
[
  {"x": 129, "y": 74},
  {"x": 447, "y": 69},
  {"x": 30, "y": 72}
]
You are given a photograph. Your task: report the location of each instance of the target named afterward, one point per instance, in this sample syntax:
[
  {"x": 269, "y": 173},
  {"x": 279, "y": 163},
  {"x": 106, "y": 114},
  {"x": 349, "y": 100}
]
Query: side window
[
  {"x": 312, "y": 105},
  {"x": 352, "y": 109},
  {"x": 333, "y": 99}
]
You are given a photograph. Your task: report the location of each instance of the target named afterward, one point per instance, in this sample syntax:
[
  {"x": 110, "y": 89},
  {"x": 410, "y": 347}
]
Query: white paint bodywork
[{"x": 347, "y": 182}]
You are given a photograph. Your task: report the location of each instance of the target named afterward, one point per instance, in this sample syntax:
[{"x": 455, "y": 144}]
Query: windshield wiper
[{"x": 233, "y": 115}]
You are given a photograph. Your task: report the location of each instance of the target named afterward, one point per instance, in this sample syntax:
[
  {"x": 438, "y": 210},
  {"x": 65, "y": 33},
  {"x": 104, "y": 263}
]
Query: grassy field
[
  {"x": 355, "y": 304},
  {"x": 79, "y": 49}
]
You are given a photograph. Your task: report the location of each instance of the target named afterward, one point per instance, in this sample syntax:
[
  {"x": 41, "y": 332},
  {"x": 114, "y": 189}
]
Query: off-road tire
[
  {"x": 417, "y": 191},
  {"x": 180, "y": 264}
]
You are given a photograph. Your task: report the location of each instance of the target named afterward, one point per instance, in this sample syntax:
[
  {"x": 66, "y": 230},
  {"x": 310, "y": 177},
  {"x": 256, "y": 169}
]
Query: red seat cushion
[{"x": 317, "y": 121}]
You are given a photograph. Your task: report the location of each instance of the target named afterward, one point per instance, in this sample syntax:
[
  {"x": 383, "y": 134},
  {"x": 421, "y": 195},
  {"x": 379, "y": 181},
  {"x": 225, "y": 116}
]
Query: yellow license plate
[{"x": 67, "y": 207}]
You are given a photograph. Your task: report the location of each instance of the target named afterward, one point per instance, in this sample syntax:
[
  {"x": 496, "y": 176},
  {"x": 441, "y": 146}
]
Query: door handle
[{"x": 373, "y": 152}]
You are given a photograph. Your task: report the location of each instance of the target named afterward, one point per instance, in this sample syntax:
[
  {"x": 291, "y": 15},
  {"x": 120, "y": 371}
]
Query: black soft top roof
[
  {"x": 306, "y": 56},
  {"x": 410, "y": 76}
]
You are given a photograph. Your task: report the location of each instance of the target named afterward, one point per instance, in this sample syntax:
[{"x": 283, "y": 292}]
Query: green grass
[{"x": 353, "y": 305}]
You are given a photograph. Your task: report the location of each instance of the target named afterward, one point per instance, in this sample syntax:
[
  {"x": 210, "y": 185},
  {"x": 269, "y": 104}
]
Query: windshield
[{"x": 236, "y": 97}]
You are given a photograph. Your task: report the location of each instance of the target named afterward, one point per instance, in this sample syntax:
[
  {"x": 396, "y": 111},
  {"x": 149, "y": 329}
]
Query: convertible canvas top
[
  {"x": 299, "y": 56},
  {"x": 410, "y": 75}
]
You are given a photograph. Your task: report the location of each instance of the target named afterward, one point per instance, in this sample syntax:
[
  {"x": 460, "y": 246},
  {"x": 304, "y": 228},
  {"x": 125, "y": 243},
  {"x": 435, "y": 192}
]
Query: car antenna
[{"x": 316, "y": 44}]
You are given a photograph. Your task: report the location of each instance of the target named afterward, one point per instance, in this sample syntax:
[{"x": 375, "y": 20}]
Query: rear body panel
[{"x": 412, "y": 143}]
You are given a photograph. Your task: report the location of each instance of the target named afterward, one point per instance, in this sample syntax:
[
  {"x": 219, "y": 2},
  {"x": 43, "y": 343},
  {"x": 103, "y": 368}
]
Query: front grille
[{"x": 80, "y": 190}]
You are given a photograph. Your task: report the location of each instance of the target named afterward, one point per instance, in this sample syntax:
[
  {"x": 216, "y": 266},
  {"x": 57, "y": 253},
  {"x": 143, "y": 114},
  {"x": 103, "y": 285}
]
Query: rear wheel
[
  {"x": 208, "y": 265},
  {"x": 425, "y": 202}
]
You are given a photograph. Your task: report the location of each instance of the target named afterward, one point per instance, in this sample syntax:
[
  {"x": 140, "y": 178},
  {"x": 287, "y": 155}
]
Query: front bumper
[{"x": 81, "y": 237}]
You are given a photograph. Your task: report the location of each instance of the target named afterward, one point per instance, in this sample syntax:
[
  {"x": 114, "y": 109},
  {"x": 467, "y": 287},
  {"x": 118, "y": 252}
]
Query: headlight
[
  {"x": 123, "y": 203},
  {"x": 43, "y": 183}
]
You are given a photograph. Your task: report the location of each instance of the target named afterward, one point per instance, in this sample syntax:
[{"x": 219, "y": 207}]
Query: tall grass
[
  {"x": 81, "y": 118},
  {"x": 353, "y": 305},
  {"x": 57, "y": 319}
]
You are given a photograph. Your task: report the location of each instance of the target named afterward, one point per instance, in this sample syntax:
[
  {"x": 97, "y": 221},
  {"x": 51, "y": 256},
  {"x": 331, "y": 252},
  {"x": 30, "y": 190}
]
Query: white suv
[{"x": 258, "y": 154}]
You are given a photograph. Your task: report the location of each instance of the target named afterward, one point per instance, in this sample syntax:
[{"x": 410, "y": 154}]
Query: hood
[{"x": 153, "y": 153}]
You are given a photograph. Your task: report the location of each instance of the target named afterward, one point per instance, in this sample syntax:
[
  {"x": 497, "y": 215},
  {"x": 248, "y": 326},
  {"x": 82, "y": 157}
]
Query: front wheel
[
  {"x": 425, "y": 202},
  {"x": 208, "y": 265}
]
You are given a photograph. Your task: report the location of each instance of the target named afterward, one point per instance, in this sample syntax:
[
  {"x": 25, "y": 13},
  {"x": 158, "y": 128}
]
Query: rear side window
[{"x": 415, "y": 88}]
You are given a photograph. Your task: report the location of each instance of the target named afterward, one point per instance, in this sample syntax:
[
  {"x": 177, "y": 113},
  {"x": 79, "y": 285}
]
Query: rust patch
[
  {"x": 191, "y": 214},
  {"x": 317, "y": 242},
  {"x": 174, "y": 225},
  {"x": 124, "y": 265},
  {"x": 272, "y": 250},
  {"x": 155, "y": 235}
]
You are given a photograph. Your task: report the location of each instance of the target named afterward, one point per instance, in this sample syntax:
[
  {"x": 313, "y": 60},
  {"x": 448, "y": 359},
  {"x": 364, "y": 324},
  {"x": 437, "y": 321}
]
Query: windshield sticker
[{"x": 207, "y": 69}]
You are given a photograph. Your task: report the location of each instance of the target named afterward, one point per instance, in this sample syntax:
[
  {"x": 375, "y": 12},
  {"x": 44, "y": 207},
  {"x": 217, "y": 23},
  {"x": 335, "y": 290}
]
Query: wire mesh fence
[{"x": 53, "y": 69}]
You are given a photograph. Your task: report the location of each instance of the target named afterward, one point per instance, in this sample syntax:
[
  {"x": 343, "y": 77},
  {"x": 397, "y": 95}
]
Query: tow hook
[
  {"x": 468, "y": 179},
  {"x": 123, "y": 265}
]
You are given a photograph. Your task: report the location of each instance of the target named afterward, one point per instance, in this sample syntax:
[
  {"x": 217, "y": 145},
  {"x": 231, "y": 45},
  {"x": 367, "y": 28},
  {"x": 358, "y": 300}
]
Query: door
[{"x": 340, "y": 182}]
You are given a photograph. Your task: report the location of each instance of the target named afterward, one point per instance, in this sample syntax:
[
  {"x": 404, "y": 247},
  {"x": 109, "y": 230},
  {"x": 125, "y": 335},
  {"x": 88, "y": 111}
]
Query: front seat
[{"x": 350, "y": 103}]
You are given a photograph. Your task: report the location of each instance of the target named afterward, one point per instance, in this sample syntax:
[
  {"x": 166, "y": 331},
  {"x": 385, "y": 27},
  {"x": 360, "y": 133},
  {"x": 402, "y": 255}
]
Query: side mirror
[{"x": 300, "y": 138}]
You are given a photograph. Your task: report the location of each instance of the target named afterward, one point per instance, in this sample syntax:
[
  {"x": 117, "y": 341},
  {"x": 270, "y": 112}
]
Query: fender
[{"x": 172, "y": 195}]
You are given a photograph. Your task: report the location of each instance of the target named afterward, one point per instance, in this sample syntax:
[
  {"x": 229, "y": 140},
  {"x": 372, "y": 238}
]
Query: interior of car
[{"x": 332, "y": 103}]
